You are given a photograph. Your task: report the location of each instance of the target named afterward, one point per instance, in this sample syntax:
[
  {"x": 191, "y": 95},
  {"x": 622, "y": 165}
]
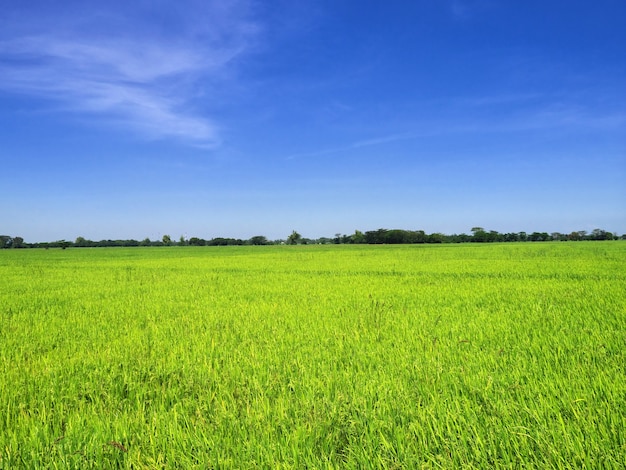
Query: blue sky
[{"x": 240, "y": 118}]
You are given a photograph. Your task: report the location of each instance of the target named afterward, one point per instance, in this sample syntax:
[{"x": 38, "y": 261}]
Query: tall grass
[{"x": 451, "y": 356}]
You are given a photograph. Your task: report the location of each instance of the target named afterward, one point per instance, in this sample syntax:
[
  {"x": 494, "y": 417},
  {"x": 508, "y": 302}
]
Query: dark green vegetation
[
  {"x": 422, "y": 356},
  {"x": 373, "y": 237}
]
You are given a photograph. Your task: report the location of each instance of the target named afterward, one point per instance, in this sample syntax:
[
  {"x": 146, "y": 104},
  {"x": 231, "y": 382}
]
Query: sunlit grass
[{"x": 314, "y": 356}]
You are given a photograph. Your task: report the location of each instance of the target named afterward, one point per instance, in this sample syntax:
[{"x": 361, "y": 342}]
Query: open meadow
[{"x": 330, "y": 356}]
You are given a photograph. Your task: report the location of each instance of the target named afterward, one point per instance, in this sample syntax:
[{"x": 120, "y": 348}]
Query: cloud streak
[
  {"x": 553, "y": 117},
  {"x": 143, "y": 79}
]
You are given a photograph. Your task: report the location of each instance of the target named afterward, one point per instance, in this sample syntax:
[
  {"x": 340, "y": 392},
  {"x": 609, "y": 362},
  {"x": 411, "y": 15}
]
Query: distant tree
[
  {"x": 419, "y": 236},
  {"x": 82, "y": 242},
  {"x": 598, "y": 234},
  {"x": 358, "y": 237},
  {"x": 345, "y": 239},
  {"x": 375, "y": 237},
  {"x": 258, "y": 240},
  {"x": 218, "y": 241},
  {"x": 5, "y": 241},
  {"x": 458, "y": 238},
  {"x": 145, "y": 242},
  {"x": 294, "y": 238},
  {"x": 494, "y": 236},
  {"x": 18, "y": 242},
  {"x": 182, "y": 241},
  {"x": 436, "y": 238},
  {"x": 167, "y": 240},
  {"x": 63, "y": 244},
  {"x": 195, "y": 241},
  {"x": 539, "y": 237},
  {"x": 395, "y": 236},
  {"x": 479, "y": 234}
]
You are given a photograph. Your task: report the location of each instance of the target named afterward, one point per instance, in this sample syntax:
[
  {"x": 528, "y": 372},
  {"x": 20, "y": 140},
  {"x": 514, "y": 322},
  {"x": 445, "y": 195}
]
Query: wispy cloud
[
  {"x": 127, "y": 67},
  {"x": 369, "y": 142},
  {"x": 465, "y": 10},
  {"x": 547, "y": 117}
]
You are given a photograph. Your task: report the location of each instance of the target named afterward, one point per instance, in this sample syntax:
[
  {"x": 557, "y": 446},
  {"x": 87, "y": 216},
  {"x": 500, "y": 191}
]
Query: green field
[{"x": 439, "y": 356}]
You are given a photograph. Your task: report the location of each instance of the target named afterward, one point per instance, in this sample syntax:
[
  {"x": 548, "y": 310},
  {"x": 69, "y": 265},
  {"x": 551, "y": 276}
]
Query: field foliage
[{"x": 452, "y": 356}]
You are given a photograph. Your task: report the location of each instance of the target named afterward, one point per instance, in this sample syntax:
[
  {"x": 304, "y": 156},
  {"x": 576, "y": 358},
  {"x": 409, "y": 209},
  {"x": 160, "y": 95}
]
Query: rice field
[{"x": 347, "y": 356}]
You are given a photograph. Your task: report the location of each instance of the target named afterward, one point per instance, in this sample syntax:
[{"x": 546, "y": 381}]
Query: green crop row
[{"x": 453, "y": 356}]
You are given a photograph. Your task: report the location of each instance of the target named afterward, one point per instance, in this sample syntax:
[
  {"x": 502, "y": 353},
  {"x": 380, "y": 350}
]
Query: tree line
[{"x": 372, "y": 237}]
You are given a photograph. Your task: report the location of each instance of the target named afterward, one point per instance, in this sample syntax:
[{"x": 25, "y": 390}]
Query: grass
[{"x": 452, "y": 356}]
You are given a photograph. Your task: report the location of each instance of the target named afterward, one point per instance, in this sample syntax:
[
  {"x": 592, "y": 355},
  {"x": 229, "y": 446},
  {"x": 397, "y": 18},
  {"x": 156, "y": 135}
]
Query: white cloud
[
  {"x": 548, "y": 117},
  {"x": 127, "y": 71}
]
